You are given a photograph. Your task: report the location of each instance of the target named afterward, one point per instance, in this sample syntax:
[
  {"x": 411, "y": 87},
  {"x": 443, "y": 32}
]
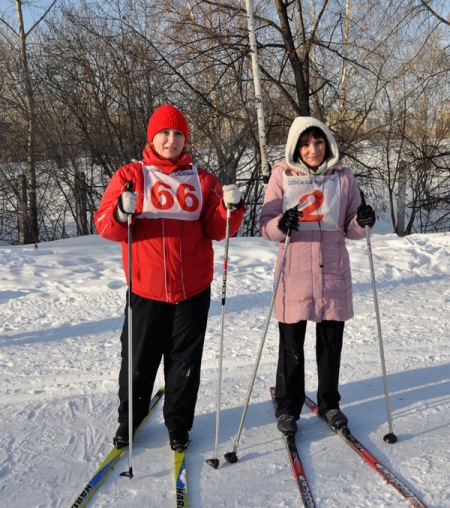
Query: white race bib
[
  {"x": 174, "y": 196},
  {"x": 317, "y": 197}
]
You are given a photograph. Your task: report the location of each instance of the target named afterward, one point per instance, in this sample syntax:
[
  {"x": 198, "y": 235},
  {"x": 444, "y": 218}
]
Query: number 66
[{"x": 163, "y": 197}]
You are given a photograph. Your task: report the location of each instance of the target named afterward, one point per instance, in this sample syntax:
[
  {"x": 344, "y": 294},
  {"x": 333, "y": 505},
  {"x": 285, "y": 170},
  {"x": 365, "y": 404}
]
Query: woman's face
[
  {"x": 312, "y": 151},
  {"x": 169, "y": 143}
]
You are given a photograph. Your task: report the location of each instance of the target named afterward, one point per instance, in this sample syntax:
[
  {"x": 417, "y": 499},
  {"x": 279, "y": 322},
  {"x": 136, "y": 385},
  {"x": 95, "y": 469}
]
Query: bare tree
[
  {"x": 417, "y": 133},
  {"x": 101, "y": 85},
  {"x": 29, "y": 209},
  {"x": 376, "y": 72},
  {"x": 429, "y": 7}
]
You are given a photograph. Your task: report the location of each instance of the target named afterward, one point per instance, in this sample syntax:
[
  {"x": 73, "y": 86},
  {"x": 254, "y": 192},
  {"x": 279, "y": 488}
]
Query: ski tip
[
  {"x": 390, "y": 438},
  {"x": 231, "y": 457},
  {"x": 213, "y": 463}
]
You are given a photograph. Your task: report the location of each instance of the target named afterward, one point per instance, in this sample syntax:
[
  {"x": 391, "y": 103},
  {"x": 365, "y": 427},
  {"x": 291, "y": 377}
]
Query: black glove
[
  {"x": 365, "y": 216},
  {"x": 289, "y": 220}
]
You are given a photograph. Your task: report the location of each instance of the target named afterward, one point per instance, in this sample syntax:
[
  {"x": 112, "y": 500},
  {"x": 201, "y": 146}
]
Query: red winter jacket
[{"x": 172, "y": 259}]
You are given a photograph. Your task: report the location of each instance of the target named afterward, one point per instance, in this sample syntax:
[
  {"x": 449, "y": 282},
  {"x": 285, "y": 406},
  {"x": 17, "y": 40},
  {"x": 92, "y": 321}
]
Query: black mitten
[
  {"x": 365, "y": 216},
  {"x": 289, "y": 221}
]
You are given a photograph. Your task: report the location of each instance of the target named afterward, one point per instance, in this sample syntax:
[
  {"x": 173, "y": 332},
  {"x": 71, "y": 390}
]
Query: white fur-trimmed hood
[{"x": 299, "y": 125}]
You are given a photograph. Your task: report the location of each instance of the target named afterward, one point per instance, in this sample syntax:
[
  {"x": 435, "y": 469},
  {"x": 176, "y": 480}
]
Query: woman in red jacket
[{"x": 177, "y": 210}]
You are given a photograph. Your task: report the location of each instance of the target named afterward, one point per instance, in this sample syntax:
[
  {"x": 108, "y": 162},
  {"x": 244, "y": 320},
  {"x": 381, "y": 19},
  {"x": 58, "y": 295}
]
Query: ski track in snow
[{"x": 62, "y": 308}]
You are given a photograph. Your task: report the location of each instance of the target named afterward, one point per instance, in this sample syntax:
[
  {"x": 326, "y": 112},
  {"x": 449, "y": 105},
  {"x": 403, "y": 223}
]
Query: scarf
[{"x": 151, "y": 158}]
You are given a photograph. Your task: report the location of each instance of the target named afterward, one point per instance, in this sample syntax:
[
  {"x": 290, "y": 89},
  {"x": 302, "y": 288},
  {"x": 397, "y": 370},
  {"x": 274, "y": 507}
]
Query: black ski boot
[
  {"x": 336, "y": 418},
  {"x": 121, "y": 439},
  {"x": 179, "y": 440},
  {"x": 286, "y": 424}
]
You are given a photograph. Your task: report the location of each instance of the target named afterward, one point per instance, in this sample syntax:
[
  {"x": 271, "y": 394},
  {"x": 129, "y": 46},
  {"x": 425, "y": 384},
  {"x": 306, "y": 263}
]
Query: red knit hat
[{"x": 167, "y": 117}]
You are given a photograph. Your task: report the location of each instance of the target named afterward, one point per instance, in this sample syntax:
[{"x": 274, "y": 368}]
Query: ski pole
[
  {"x": 215, "y": 461},
  {"x": 231, "y": 456},
  {"x": 129, "y": 473},
  {"x": 390, "y": 437}
]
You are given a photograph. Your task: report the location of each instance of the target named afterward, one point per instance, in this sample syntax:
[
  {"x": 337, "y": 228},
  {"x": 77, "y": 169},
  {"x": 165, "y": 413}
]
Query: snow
[{"x": 62, "y": 309}]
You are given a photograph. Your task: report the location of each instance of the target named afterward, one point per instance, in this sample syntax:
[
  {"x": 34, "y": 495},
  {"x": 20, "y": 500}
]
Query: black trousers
[
  {"x": 290, "y": 378},
  {"x": 175, "y": 332}
]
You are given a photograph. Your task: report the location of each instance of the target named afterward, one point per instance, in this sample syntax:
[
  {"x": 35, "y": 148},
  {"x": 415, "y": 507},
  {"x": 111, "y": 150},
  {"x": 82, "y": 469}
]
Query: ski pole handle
[
  {"x": 363, "y": 198},
  {"x": 129, "y": 188}
]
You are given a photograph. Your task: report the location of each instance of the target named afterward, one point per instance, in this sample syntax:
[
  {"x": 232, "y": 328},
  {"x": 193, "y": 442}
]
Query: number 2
[{"x": 316, "y": 199}]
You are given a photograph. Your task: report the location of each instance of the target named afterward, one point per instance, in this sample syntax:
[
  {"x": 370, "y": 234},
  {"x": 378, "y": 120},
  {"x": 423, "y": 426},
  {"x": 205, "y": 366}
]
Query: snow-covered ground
[{"x": 61, "y": 312}]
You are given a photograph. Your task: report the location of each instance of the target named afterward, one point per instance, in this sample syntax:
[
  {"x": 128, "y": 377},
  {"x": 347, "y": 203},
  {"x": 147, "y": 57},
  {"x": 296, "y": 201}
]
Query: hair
[{"x": 316, "y": 133}]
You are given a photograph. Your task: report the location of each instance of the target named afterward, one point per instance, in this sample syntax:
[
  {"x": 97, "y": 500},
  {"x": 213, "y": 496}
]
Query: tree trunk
[
  {"x": 23, "y": 220},
  {"x": 81, "y": 204},
  {"x": 299, "y": 67},
  {"x": 31, "y": 142},
  {"x": 401, "y": 200}
]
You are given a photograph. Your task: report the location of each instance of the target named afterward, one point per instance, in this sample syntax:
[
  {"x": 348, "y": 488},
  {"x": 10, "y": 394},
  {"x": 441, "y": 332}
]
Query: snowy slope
[{"x": 61, "y": 312}]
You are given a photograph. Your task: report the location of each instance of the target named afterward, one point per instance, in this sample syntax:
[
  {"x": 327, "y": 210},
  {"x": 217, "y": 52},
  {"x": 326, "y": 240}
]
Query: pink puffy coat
[{"x": 316, "y": 281}]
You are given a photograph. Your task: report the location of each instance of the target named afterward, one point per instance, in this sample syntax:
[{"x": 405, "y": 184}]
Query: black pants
[
  {"x": 290, "y": 379},
  {"x": 177, "y": 333}
]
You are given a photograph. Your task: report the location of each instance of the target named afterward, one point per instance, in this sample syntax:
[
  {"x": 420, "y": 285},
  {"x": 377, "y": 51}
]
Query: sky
[{"x": 61, "y": 312}]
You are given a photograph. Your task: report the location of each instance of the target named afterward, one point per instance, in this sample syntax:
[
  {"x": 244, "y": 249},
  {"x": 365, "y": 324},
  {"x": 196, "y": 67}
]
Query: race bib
[
  {"x": 175, "y": 196},
  {"x": 317, "y": 197}
]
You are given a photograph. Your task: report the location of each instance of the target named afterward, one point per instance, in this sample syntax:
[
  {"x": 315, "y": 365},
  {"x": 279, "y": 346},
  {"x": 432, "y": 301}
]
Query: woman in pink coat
[{"x": 313, "y": 197}]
